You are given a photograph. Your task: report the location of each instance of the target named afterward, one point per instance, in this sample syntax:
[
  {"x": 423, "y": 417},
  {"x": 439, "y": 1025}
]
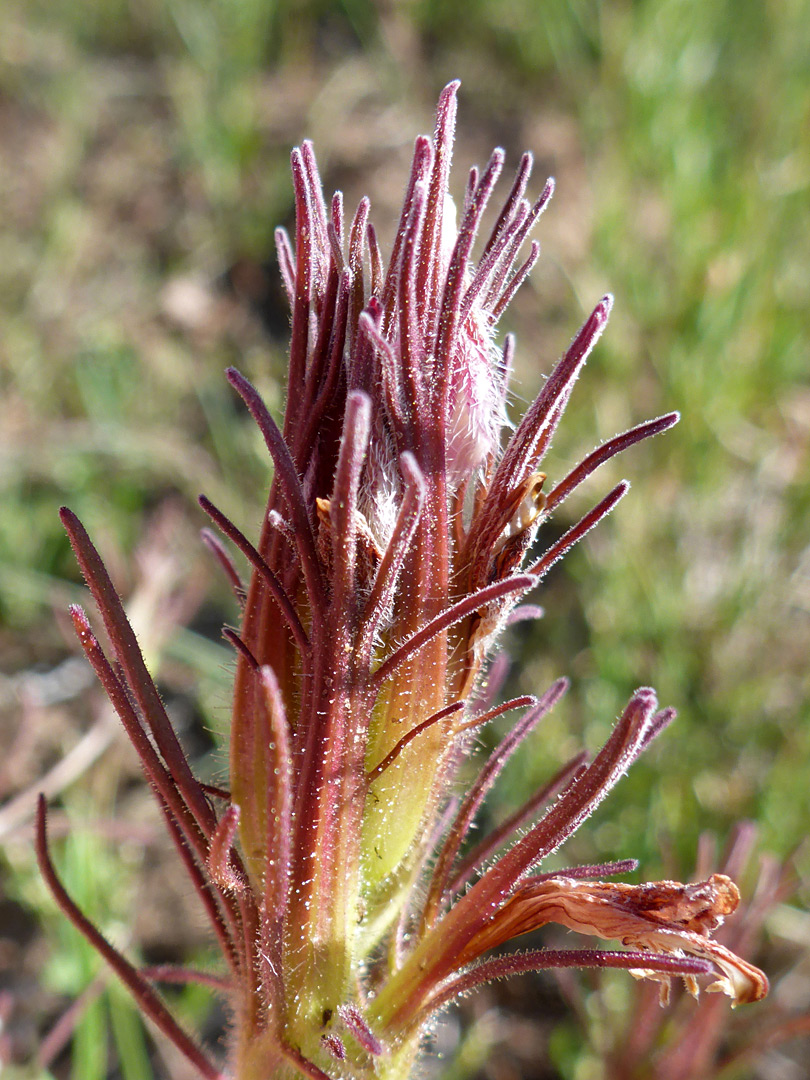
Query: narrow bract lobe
[{"x": 401, "y": 530}]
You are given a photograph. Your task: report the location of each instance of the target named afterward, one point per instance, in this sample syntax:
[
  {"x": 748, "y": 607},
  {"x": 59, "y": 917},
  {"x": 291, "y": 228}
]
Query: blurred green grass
[{"x": 147, "y": 151}]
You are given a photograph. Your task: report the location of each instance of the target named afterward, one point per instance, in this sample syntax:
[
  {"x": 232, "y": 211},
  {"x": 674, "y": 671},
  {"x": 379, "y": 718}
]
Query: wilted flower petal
[{"x": 662, "y": 916}]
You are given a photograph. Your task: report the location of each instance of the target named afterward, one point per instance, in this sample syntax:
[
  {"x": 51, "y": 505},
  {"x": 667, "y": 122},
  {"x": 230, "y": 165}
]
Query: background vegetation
[{"x": 144, "y": 166}]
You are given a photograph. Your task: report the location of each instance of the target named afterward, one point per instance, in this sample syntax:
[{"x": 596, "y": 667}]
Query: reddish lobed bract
[{"x": 397, "y": 541}]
